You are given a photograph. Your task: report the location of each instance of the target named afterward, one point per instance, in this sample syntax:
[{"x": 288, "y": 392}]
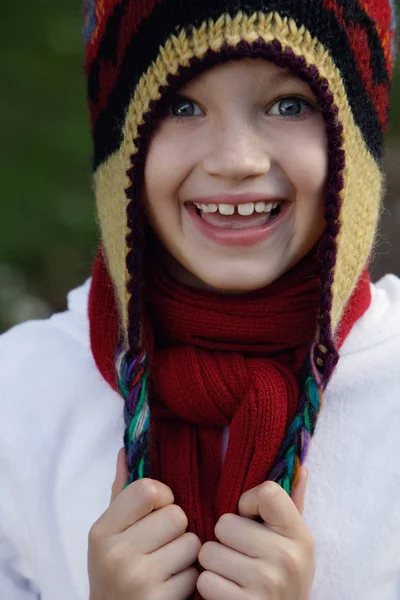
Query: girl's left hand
[{"x": 272, "y": 560}]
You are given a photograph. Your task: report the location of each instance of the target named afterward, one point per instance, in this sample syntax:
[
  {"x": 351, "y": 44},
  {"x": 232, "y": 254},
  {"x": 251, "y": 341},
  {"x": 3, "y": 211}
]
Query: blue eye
[
  {"x": 289, "y": 107},
  {"x": 182, "y": 107}
]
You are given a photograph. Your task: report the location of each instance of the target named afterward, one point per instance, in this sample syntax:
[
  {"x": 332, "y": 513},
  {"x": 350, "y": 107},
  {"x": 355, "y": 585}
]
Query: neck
[{"x": 158, "y": 253}]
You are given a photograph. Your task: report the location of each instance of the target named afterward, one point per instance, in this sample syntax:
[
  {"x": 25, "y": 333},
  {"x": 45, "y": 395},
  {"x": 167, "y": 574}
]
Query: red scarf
[{"x": 219, "y": 361}]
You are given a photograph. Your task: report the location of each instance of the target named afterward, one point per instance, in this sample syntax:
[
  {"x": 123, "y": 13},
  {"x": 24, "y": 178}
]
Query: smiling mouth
[{"x": 241, "y": 216}]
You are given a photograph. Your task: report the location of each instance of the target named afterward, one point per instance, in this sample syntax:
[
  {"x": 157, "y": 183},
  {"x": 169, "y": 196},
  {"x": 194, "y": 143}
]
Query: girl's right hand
[{"x": 138, "y": 548}]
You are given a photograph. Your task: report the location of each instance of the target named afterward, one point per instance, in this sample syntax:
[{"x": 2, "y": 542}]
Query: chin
[{"x": 236, "y": 281}]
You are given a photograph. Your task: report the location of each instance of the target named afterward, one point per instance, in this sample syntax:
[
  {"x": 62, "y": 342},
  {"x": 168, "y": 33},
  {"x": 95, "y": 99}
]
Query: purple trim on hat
[{"x": 284, "y": 58}]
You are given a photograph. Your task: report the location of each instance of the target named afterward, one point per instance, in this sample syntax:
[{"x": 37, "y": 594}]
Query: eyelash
[{"x": 307, "y": 103}]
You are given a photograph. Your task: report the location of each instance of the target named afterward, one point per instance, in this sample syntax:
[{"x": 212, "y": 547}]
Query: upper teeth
[{"x": 243, "y": 209}]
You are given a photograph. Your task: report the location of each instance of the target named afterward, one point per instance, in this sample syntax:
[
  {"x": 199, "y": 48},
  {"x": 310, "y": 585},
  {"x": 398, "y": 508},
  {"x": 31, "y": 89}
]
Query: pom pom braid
[
  {"x": 132, "y": 382},
  {"x": 295, "y": 447}
]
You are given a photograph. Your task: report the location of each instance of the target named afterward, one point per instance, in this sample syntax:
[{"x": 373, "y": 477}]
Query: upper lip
[{"x": 236, "y": 199}]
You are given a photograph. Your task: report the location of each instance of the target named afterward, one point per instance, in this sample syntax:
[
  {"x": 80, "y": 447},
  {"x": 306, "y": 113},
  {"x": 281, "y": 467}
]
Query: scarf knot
[{"x": 215, "y": 386}]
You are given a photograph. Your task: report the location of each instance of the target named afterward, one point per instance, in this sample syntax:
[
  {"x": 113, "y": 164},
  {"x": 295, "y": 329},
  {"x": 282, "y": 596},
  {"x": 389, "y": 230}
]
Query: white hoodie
[{"x": 62, "y": 426}]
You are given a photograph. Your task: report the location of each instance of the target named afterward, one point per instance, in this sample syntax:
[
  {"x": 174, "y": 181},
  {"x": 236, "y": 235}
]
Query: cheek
[
  {"x": 166, "y": 168},
  {"x": 157, "y": 165},
  {"x": 307, "y": 166},
  {"x": 311, "y": 166},
  {"x": 168, "y": 161}
]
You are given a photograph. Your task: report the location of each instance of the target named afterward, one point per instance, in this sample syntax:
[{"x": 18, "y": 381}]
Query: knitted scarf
[{"x": 218, "y": 360}]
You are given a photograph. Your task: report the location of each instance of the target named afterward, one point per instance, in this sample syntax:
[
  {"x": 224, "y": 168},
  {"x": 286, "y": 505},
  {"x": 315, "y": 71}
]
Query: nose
[{"x": 237, "y": 152}]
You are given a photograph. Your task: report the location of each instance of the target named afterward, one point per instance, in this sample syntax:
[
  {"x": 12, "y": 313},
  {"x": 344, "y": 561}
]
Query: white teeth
[
  {"x": 208, "y": 208},
  {"x": 226, "y": 209},
  {"x": 246, "y": 209}
]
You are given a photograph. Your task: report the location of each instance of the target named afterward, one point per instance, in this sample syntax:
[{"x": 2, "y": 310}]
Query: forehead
[{"x": 256, "y": 71}]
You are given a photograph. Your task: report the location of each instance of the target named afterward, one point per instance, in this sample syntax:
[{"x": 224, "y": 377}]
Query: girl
[{"x": 230, "y": 333}]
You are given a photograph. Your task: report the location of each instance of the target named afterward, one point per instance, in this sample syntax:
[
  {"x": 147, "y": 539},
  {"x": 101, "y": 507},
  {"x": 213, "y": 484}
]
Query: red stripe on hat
[{"x": 135, "y": 13}]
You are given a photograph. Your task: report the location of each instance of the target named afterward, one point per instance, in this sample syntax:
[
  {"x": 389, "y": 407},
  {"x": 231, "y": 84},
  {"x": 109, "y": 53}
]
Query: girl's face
[{"x": 242, "y": 133}]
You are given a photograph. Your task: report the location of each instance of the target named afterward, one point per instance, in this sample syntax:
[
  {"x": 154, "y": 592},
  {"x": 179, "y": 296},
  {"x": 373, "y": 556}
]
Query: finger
[
  {"x": 158, "y": 528},
  {"x": 135, "y": 502},
  {"x": 248, "y": 537},
  {"x": 228, "y": 563},
  {"x": 300, "y": 489},
  {"x": 277, "y": 510},
  {"x": 122, "y": 475},
  {"x": 214, "y": 587},
  {"x": 178, "y": 555},
  {"x": 180, "y": 586}
]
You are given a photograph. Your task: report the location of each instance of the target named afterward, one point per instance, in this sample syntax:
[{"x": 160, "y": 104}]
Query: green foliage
[{"x": 46, "y": 207}]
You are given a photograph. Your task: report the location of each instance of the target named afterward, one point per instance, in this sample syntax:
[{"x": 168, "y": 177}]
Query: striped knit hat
[{"x": 138, "y": 49}]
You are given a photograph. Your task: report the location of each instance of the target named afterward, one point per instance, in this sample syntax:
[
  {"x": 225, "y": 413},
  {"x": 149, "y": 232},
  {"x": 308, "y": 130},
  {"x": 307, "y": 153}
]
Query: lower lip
[{"x": 238, "y": 237}]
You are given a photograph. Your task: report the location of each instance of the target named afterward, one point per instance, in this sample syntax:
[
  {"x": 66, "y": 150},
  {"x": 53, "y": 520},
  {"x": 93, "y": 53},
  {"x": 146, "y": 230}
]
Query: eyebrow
[
  {"x": 286, "y": 75},
  {"x": 281, "y": 77}
]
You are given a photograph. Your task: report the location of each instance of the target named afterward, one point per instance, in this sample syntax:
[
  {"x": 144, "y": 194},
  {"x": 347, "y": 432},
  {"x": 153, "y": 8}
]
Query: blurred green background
[{"x": 48, "y": 232}]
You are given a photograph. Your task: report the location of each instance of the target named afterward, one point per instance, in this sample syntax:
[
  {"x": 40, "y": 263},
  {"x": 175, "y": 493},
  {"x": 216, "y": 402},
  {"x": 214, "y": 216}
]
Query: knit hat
[{"x": 136, "y": 51}]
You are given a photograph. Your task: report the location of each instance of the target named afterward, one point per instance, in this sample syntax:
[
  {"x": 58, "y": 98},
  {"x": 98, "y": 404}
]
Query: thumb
[
  {"x": 300, "y": 489},
  {"x": 121, "y": 476}
]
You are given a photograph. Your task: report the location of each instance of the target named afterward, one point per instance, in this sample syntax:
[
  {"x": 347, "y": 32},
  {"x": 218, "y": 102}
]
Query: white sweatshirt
[{"x": 62, "y": 426}]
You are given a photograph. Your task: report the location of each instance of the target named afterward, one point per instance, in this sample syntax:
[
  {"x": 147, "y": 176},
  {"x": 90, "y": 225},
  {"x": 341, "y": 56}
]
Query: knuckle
[
  {"x": 155, "y": 594},
  {"x": 96, "y": 535},
  {"x": 271, "y": 581},
  {"x": 112, "y": 564},
  {"x": 115, "y": 556},
  {"x": 140, "y": 576},
  {"x": 204, "y": 552},
  {"x": 131, "y": 570},
  {"x": 148, "y": 490},
  {"x": 292, "y": 562},
  {"x": 204, "y": 583},
  {"x": 122, "y": 568},
  {"x": 177, "y": 516},
  {"x": 268, "y": 489},
  {"x": 309, "y": 542},
  {"x": 223, "y": 523},
  {"x": 192, "y": 573},
  {"x": 192, "y": 541},
  {"x": 188, "y": 586},
  {"x": 191, "y": 576}
]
